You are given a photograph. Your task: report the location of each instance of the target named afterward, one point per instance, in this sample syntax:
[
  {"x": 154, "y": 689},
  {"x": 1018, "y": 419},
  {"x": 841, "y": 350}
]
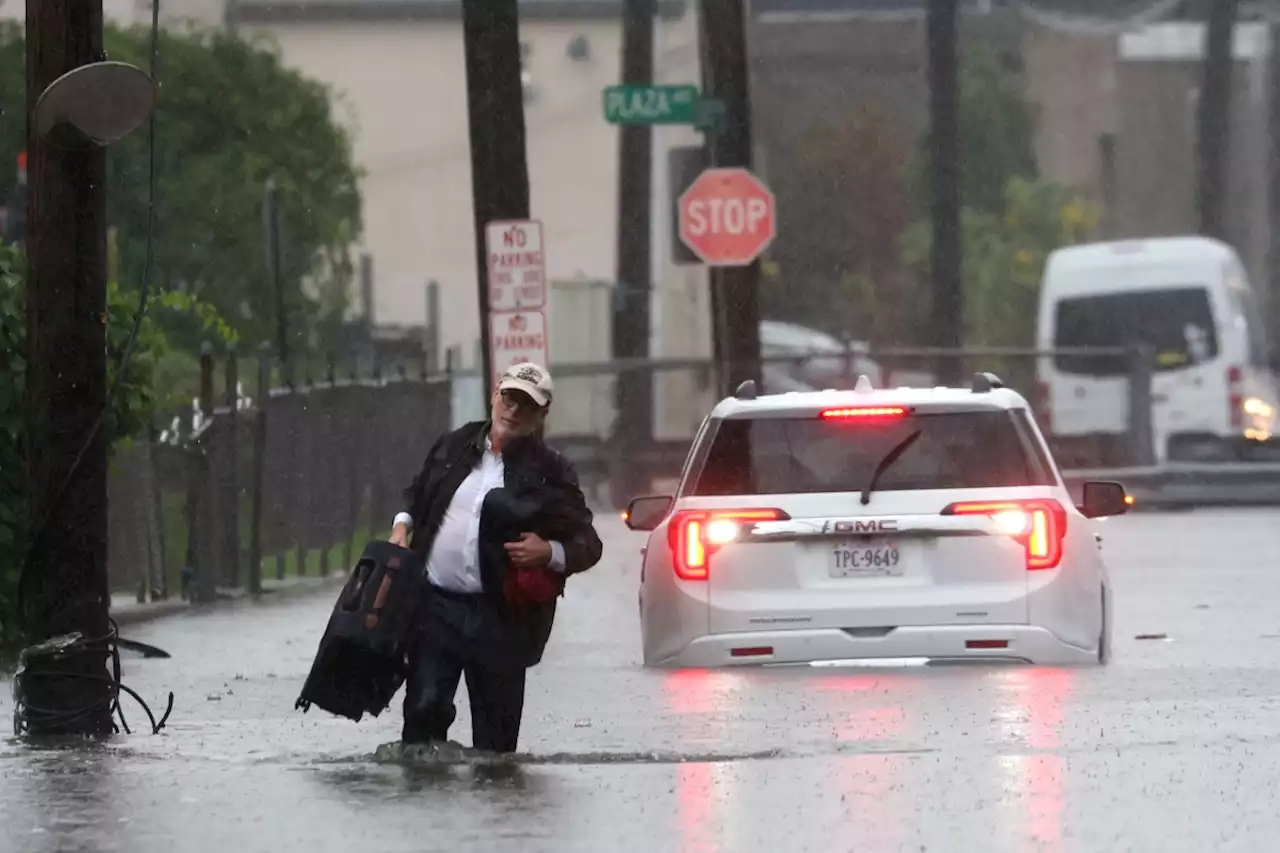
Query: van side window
[
  {"x": 1253, "y": 320},
  {"x": 1246, "y": 305}
]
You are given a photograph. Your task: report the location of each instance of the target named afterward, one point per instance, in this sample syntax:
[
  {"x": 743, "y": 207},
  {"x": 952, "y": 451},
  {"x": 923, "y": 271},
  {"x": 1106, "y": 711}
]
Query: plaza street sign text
[{"x": 651, "y": 104}]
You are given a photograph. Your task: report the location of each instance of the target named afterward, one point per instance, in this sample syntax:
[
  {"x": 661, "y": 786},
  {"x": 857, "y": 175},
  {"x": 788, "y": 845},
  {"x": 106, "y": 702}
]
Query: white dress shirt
[{"x": 454, "y": 561}]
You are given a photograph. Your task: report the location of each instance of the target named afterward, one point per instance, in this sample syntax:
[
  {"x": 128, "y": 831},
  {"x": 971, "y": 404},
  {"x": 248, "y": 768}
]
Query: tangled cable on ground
[{"x": 29, "y": 718}]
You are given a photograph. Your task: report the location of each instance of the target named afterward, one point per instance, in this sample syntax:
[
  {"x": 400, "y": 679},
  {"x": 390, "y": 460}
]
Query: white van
[{"x": 1214, "y": 393}]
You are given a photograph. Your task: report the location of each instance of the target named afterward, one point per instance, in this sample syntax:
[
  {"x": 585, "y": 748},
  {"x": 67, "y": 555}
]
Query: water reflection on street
[{"x": 1172, "y": 747}]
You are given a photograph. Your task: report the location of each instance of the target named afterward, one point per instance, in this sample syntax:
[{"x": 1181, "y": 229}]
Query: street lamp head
[{"x": 94, "y": 105}]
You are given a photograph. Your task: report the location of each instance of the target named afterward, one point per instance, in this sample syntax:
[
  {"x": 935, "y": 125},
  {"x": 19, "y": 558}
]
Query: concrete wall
[
  {"x": 1157, "y": 90},
  {"x": 1070, "y": 81}
]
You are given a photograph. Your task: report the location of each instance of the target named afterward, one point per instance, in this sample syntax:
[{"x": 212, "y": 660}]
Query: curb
[{"x": 132, "y": 613}]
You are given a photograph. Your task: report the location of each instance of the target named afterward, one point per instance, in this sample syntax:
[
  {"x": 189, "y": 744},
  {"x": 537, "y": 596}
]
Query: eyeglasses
[{"x": 517, "y": 399}]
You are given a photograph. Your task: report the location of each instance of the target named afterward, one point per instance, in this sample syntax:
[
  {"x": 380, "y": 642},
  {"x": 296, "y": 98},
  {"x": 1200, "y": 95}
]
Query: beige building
[{"x": 398, "y": 71}]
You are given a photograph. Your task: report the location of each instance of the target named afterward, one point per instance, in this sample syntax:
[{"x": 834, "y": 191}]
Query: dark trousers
[{"x": 459, "y": 635}]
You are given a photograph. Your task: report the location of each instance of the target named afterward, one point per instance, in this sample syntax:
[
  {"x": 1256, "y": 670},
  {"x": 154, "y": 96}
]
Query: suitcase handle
[
  {"x": 353, "y": 593},
  {"x": 358, "y": 595}
]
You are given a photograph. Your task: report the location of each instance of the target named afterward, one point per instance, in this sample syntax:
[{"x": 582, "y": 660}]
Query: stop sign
[{"x": 727, "y": 217}]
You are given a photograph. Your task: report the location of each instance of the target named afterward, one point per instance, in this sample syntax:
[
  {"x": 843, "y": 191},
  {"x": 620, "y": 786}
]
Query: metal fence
[{"x": 287, "y": 482}]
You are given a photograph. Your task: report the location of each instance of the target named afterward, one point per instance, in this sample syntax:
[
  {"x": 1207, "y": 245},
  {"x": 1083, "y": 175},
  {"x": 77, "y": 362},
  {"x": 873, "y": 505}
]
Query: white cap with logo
[{"x": 532, "y": 379}]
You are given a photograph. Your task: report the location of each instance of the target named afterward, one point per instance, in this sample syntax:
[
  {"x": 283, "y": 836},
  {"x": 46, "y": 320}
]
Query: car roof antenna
[{"x": 864, "y": 385}]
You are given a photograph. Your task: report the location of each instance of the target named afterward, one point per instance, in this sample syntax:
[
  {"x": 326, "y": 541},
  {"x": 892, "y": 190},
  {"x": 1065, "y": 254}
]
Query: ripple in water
[{"x": 452, "y": 754}]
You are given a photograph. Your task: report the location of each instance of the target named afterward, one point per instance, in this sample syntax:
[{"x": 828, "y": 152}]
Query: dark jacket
[{"x": 533, "y": 471}]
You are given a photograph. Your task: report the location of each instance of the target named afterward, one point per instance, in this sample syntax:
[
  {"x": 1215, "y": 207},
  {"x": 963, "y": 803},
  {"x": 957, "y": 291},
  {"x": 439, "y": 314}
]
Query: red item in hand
[{"x": 524, "y": 587}]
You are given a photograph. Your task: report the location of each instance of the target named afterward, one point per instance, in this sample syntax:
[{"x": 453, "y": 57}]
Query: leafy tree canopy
[
  {"x": 997, "y": 136},
  {"x": 145, "y": 388},
  {"x": 230, "y": 117}
]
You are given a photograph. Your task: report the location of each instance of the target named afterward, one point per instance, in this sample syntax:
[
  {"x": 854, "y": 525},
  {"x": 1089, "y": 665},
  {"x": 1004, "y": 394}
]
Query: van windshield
[{"x": 1176, "y": 323}]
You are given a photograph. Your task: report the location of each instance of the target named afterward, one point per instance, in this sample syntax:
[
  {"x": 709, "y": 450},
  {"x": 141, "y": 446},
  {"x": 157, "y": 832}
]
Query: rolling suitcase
[{"x": 360, "y": 663}]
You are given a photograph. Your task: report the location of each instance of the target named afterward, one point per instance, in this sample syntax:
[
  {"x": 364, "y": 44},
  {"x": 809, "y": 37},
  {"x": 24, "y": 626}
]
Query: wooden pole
[{"x": 66, "y": 387}]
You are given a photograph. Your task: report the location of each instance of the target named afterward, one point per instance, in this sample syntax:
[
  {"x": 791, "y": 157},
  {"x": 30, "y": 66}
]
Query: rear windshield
[
  {"x": 1177, "y": 323},
  {"x": 969, "y": 450}
]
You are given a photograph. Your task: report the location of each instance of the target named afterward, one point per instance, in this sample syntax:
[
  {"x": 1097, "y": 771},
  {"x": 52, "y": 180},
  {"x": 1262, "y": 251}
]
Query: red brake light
[
  {"x": 1039, "y": 525},
  {"x": 863, "y": 412},
  {"x": 695, "y": 535}
]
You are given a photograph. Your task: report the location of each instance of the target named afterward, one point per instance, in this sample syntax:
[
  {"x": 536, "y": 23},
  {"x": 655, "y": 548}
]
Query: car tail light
[
  {"x": 1039, "y": 525},
  {"x": 863, "y": 412},
  {"x": 1235, "y": 400},
  {"x": 695, "y": 535}
]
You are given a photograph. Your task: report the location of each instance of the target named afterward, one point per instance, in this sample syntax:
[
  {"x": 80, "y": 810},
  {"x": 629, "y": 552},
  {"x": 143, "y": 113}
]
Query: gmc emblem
[{"x": 875, "y": 525}]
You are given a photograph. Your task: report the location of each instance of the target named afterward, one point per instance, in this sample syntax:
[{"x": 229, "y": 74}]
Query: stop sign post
[{"x": 727, "y": 217}]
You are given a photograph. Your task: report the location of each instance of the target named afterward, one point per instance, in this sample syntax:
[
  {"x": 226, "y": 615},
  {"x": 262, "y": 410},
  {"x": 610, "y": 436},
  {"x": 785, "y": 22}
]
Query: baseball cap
[{"x": 532, "y": 379}]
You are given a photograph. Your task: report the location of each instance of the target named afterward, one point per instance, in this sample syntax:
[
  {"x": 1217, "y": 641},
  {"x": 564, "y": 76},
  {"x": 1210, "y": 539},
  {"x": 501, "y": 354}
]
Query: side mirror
[
  {"x": 1103, "y": 499},
  {"x": 647, "y": 512}
]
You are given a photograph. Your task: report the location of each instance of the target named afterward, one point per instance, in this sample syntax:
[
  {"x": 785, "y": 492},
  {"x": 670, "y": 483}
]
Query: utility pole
[
  {"x": 275, "y": 268},
  {"x": 633, "y": 390},
  {"x": 735, "y": 291},
  {"x": 944, "y": 165},
  {"x": 495, "y": 109},
  {"x": 1213, "y": 135},
  {"x": 1273, "y": 247},
  {"x": 66, "y": 387}
]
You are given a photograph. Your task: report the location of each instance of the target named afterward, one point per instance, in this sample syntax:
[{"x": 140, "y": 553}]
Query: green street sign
[{"x": 651, "y": 104}]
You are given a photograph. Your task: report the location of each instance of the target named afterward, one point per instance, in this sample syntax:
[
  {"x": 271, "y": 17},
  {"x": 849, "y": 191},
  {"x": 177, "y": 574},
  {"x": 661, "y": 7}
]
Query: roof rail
[
  {"x": 747, "y": 390},
  {"x": 984, "y": 382}
]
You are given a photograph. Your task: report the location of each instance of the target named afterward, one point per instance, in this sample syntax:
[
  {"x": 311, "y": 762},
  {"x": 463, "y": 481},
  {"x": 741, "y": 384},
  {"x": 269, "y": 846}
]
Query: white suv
[{"x": 912, "y": 524}]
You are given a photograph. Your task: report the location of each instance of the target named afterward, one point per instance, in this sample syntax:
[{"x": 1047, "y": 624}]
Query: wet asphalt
[{"x": 1172, "y": 747}]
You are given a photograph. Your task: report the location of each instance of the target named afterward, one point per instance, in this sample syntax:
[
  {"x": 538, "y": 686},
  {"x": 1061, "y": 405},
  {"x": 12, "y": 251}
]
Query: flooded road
[{"x": 1175, "y": 746}]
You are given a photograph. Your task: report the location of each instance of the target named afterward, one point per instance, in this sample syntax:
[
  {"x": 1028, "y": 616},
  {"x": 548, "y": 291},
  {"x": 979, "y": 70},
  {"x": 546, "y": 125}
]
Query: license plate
[{"x": 866, "y": 560}]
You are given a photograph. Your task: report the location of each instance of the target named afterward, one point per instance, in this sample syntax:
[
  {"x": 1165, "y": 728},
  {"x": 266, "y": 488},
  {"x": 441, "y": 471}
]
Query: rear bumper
[{"x": 1026, "y": 643}]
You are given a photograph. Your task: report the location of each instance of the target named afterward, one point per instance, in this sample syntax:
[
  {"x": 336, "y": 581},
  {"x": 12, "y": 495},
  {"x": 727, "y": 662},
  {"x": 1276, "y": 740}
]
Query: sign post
[
  {"x": 727, "y": 217},
  {"x": 517, "y": 294}
]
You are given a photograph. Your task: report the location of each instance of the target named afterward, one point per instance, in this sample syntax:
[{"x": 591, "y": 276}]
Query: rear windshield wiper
[{"x": 889, "y": 458}]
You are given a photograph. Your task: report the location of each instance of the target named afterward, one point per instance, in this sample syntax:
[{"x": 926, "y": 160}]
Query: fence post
[
  {"x": 230, "y": 514},
  {"x": 192, "y": 472},
  {"x": 157, "y": 501},
  {"x": 846, "y": 363},
  {"x": 327, "y": 409},
  {"x": 1142, "y": 441},
  {"x": 262, "y": 397},
  {"x": 206, "y": 563},
  {"x": 431, "y": 336}
]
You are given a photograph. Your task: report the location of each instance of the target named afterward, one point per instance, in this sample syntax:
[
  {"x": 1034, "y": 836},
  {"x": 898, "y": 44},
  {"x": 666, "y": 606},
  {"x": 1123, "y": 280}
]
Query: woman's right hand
[{"x": 399, "y": 535}]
